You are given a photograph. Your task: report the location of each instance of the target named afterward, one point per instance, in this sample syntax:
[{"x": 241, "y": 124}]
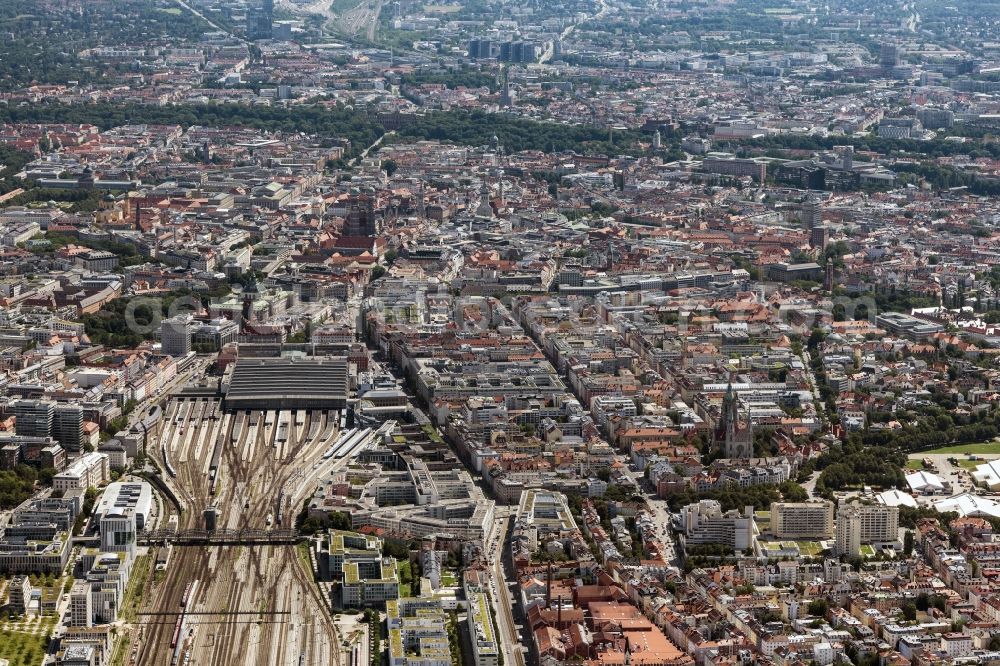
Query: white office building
[
  {"x": 118, "y": 531},
  {"x": 81, "y": 609},
  {"x": 175, "y": 335},
  {"x": 123, "y": 495}
]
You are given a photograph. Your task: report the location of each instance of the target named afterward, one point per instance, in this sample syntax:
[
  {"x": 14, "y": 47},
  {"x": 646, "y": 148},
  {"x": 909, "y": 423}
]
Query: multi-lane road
[
  {"x": 168, "y": 389},
  {"x": 568, "y": 30},
  {"x": 204, "y": 18}
]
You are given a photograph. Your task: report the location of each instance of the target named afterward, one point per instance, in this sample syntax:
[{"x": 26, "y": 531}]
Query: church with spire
[
  {"x": 735, "y": 428},
  {"x": 484, "y": 209}
]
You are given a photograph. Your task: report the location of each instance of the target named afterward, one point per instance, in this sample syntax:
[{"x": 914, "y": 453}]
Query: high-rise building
[
  {"x": 818, "y": 237},
  {"x": 618, "y": 178},
  {"x": 81, "y": 610},
  {"x": 67, "y": 426},
  {"x": 45, "y": 418},
  {"x": 812, "y": 213},
  {"x": 118, "y": 528},
  {"x": 889, "y": 56},
  {"x": 260, "y": 20},
  {"x": 175, "y": 335},
  {"x": 846, "y": 157},
  {"x": 802, "y": 520},
  {"x": 34, "y": 417},
  {"x": 864, "y": 524},
  {"x": 848, "y": 534},
  {"x": 480, "y": 48},
  {"x": 518, "y": 51}
]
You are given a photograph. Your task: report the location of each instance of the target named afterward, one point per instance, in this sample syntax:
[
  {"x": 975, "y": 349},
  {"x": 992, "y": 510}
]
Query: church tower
[
  {"x": 484, "y": 209},
  {"x": 738, "y": 435}
]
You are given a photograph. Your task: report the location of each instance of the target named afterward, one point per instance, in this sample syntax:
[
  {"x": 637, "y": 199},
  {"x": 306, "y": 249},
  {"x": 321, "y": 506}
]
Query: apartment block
[
  {"x": 362, "y": 576},
  {"x": 859, "y": 524},
  {"x": 485, "y": 645},
  {"x": 705, "y": 523},
  {"x": 417, "y": 634},
  {"x": 802, "y": 520}
]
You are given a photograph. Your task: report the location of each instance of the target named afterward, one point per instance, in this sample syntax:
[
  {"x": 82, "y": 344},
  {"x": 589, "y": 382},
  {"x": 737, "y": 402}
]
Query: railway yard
[{"x": 239, "y": 604}]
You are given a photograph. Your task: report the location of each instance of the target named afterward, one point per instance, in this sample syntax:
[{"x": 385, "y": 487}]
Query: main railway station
[
  {"x": 238, "y": 467},
  {"x": 301, "y": 383}
]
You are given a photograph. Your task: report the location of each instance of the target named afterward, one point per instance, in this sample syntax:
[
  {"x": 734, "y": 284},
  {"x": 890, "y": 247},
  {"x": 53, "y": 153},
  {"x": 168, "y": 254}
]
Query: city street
[{"x": 503, "y": 604}]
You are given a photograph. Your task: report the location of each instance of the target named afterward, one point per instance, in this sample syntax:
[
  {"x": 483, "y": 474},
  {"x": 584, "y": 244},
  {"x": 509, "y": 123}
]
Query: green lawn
[
  {"x": 120, "y": 650},
  {"x": 809, "y": 548},
  {"x": 134, "y": 593},
  {"x": 915, "y": 464},
  {"x": 22, "y": 649},
  {"x": 979, "y": 448},
  {"x": 970, "y": 464},
  {"x": 432, "y": 433},
  {"x": 867, "y": 551},
  {"x": 304, "y": 560},
  {"x": 29, "y": 624}
]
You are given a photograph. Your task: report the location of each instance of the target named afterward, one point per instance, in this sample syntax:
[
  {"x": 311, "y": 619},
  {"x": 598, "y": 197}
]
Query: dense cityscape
[{"x": 495, "y": 333}]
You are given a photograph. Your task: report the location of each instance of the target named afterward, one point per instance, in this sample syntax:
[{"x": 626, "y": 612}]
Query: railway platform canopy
[{"x": 318, "y": 383}]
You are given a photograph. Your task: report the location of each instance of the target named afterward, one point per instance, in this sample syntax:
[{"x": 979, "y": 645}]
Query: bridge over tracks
[{"x": 244, "y": 537}]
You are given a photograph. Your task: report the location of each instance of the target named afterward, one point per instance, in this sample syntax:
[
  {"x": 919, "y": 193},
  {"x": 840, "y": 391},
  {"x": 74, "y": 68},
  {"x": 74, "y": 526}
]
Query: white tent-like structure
[
  {"x": 988, "y": 474},
  {"x": 967, "y": 504},
  {"x": 925, "y": 483},
  {"x": 896, "y": 497}
]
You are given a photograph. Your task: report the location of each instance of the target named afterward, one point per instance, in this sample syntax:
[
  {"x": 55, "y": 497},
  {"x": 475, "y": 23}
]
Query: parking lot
[{"x": 959, "y": 477}]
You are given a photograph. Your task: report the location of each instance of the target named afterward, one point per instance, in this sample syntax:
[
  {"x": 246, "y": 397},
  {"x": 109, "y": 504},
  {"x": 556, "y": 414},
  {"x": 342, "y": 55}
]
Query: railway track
[{"x": 256, "y": 604}]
